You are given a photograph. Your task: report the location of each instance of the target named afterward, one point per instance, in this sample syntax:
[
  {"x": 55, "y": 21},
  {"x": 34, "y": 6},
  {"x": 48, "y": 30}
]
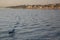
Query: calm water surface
[{"x": 29, "y": 24}]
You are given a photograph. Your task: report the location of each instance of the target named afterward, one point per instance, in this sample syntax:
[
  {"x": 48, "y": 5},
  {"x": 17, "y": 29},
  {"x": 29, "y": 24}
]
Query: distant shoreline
[{"x": 49, "y": 6}]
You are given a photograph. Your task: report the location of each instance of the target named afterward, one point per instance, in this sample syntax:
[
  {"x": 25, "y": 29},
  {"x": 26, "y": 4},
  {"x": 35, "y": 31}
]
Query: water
[{"x": 29, "y": 24}]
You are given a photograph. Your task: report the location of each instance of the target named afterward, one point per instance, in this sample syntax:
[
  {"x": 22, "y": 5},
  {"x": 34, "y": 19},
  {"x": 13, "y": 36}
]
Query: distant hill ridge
[{"x": 36, "y": 6}]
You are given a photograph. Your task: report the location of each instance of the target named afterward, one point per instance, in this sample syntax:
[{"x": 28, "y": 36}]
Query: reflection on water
[{"x": 22, "y": 24}]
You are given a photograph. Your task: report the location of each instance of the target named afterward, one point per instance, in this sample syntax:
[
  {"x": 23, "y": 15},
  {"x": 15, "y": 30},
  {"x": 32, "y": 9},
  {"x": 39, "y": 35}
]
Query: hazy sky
[{"x": 20, "y": 2}]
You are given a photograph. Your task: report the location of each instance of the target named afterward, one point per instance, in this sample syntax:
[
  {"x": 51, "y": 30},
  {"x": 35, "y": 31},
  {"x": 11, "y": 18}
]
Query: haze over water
[{"x": 29, "y": 24}]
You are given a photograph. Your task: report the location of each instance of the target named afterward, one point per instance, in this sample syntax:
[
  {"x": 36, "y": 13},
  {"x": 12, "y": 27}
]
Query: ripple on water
[{"x": 32, "y": 24}]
